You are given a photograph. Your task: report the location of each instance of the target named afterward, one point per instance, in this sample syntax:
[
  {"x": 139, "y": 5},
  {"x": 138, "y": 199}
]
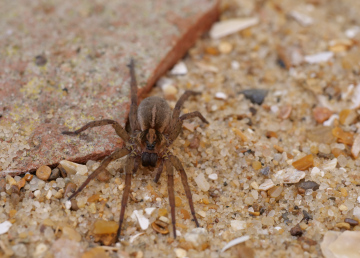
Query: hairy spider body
[{"x": 153, "y": 128}]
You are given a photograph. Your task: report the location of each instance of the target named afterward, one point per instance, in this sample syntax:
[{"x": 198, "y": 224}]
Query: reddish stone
[{"x": 65, "y": 65}]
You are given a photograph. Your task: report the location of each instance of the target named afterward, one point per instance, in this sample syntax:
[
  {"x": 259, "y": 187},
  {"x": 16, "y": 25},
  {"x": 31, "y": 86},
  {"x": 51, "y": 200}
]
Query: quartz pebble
[
  {"x": 104, "y": 231},
  {"x": 225, "y": 47},
  {"x": 343, "y": 225},
  {"x": 71, "y": 234},
  {"x": 69, "y": 188},
  {"x": 180, "y": 253},
  {"x": 169, "y": 91},
  {"x": 321, "y": 114},
  {"x": 330, "y": 164},
  {"x": 40, "y": 249},
  {"x": 227, "y": 27},
  {"x": 289, "y": 176},
  {"x": 334, "y": 243},
  {"x": 197, "y": 236},
  {"x": 74, "y": 168},
  {"x": 202, "y": 183},
  {"x": 275, "y": 191},
  {"x": 43, "y": 173},
  {"x": 149, "y": 211},
  {"x": 268, "y": 183},
  {"x": 309, "y": 185},
  {"x": 96, "y": 252},
  {"x": 304, "y": 163},
  {"x": 238, "y": 225}
]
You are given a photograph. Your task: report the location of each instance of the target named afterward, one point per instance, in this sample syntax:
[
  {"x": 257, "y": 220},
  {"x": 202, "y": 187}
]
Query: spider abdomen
[{"x": 154, "y": 113}]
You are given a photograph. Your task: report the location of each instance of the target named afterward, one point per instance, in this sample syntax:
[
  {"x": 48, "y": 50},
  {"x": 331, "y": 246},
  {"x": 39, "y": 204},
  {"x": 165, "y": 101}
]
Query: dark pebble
[
  {"x": 296, "y": 231},
  {"x": 352, "y": 222},
  {"x": 256, "y": 96},
  {"x": 55, "y": 173},
  {"x": 2, "y": 185},
  {"x": 309, "y": 185},
  {"x": 265, "y": 171},
  {"x": 40, "y": 60}
]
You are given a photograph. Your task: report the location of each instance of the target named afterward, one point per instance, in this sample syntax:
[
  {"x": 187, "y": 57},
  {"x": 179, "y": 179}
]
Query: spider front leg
[
  {"x": 131, "y": 167},
  {"x": 178, "y": 166},
  {"x": 118, "y": 153},
  {"x": 120, "y": 131},
  {"x": 159, "y": 171},
  {"x": 134, "y": 124}
]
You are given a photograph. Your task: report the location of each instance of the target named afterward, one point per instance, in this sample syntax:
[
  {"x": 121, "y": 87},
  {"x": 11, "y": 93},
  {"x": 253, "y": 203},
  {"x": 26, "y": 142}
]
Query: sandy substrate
[{"x": 283, "y": 172}]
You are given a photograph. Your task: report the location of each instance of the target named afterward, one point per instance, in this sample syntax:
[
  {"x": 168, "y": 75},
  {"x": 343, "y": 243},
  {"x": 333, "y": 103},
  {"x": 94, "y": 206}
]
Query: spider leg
[
  {"x": 118, "y": 128},
  {"x": 134, "y": 124},
  {"x": 131, "y": 167},
  {"x": 118, "y": 153},
  {"x": 159, "y": 171},
  {"x": 192, "y": 115},
  {"x": 178, "y": 166},
  {"x": 180, "y": 102},
  {"x": 170, "y": 174}
]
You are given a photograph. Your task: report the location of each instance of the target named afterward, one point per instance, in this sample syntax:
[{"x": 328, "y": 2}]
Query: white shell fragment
[
  {"x": 196, "y": 236},
  {"x": 74, "y": 168},
  {"x": 221, "y": 96},
  {"x": 213, "y": 176},
  {"x": 149, "y": 211},
  {"x": 143, "y": 222},
  {"x": 293, "y": 177},
  {"x": 202, "y": 183},
  {"x": 302, "y": 19},
  {"x": 4, "y": 227},
  {"x": 207, "y": 67},
  {"x": 266, "y": 185},
  {"x": 319, "y": 58},
  {"x": 227, "y": 27},
  {"x": 355, "y": 99},
  {"x": 330, "y": 164},
  {"x": 234, "y": 242},
  {"x": 179, "y": 69}
]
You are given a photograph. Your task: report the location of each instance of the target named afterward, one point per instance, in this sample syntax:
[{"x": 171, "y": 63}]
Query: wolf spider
[{"x": 152, "y": 130}]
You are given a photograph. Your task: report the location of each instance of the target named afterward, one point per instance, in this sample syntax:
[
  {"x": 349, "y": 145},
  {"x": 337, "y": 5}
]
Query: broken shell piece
[
  {"x": 319, "y": 57},
  {"x": 289, "y": 176},
  {"x": 179, "y": 69},
  {"x": 74, "y": 168},
  {"x": 266, "y": 185},
  {"x": 238, "y": 224},
  {"x": 207, "y": 67},
  {"x": 132, "y": 238},
  {"x": 221, "y": 96},
  {"x": 143, "y": 222},
  {"x": 149, "y": 211},
  {"x": 4, "y": 227},
  {"x": 330, "y": 164},
  {"x": 213, "y": 176},
  {"x": 160, "y": 227},
  {"x": 234, "y": 242},
  {"x": 227, "y": 27}
]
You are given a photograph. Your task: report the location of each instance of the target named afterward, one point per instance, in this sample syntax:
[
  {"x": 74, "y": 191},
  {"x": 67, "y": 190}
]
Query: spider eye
[{"x": 150, "y": 146}]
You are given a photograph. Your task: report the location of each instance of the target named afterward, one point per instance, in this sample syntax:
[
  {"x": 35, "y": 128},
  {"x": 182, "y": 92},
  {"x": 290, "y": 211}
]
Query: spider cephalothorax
[{"x": 153, "y": 128}]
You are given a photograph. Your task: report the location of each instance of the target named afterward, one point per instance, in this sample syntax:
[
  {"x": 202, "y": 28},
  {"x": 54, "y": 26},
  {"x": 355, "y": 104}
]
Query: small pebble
[
  {"x": 43, "y": 173},
  {"x": 352, "y": 222},
  {"x": 268, "y": 183},
  {"x": 275, "y": 191},
  {"x": 265, "y": 171},
  {"x": 202, "y": 183},
  {"x": 40, "y": 60},
  {"x": 256, "y": 96},
  {"x": 321, "y": 114},
  {"x": 40, "y": 249},
  {"x": 238, "y": 224},
  {"x": 2, "y": 185},
  {"x": 69, "y": 188},
  {"x": 4, "y": 227},
  {"x": 255, "y": 185},
  {"x": 74, "y": 168},
  {"x": 48, "y": 195},
  {"x": 319, "y": 58},
  {"x": 213, "y": 176},
  {"x": 304, "y": 163},
  {"x": 221, "y": 96},
  {"x": 296, "y": 231},
  {"x": 169, "y": 91},
  {"x": 71, "y": 234},
  {"x": 96, "y": 252},
  {"x": 225, "y": 47},
  {"x": 180, "y": 253},
  {"x": 10, "y": 180},
  {"x": 355, "y": 149},
  {"x": 28, "y": 177},
  {"x": 309, "y": 185},
  {"x": 55, "y": 173},
  {"x": 343, "y": 225}
]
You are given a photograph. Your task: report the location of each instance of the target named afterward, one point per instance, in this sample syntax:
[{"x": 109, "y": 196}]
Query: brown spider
[{"x": 153, "y": 130}]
